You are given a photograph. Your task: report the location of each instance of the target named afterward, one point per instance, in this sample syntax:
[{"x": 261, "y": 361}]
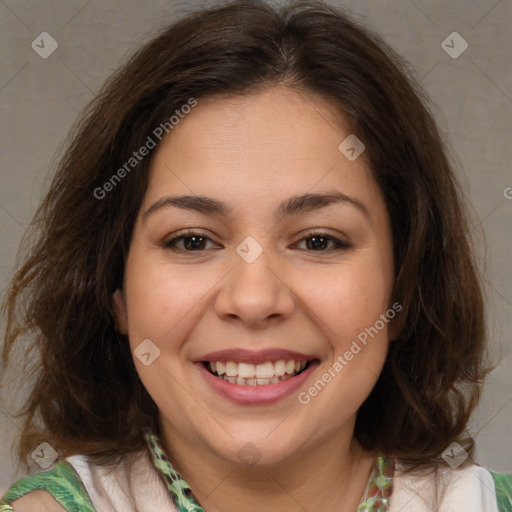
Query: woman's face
[{"x": 261, "y": 248}]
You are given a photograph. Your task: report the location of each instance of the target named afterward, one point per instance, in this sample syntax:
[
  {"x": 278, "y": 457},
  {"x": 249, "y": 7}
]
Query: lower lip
[{"x": 251, "y": 395}]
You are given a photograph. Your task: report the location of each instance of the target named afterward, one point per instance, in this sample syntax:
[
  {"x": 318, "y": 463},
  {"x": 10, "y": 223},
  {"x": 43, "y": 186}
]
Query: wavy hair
[{"x": 86, "y": 396}]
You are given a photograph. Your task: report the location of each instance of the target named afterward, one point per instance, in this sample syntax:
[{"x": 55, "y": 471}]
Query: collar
[{"x": 375, "y": 497}]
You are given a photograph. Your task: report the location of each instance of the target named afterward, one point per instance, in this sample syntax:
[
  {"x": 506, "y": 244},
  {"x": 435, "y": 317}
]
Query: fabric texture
[
  {"x": 148, "y": 482},
  {"x": 61, "y": 482}
]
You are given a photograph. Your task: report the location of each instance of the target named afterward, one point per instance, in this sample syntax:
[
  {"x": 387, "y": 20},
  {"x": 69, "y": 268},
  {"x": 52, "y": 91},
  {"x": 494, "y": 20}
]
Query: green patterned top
[
  {"x": 61, "y": 482},
  {"x": 64, "y": 484},
  {"x": 503, "y": 484}
]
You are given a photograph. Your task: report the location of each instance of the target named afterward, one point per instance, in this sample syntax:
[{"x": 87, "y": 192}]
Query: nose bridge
[{"x": 254, "y": 290}]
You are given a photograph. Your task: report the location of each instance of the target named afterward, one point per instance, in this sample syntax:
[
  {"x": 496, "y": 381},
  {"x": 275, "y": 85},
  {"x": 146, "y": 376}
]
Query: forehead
[
  {"x": 258, "y": 147},
  {"x": 276, "y": 122}
]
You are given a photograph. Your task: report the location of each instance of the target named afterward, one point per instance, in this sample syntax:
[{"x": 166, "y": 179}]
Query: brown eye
[
  {"x": 191, "y": 242},
  {"x": 319, "y": 242}
]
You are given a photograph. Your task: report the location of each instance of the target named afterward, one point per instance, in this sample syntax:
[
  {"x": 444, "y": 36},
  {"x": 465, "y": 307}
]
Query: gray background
[{"x": 472, "y": 101}]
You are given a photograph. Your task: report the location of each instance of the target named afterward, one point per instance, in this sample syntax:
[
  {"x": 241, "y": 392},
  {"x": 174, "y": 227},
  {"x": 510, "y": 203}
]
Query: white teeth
[
  {"x": 246, "y": 370},
  {"x": 280, "y": 368},
  {"x": 254, "y": 382},
  {"x": 265, "y": 370},
  {"x": 256, "y": 374},
  {"x": 231, "y": 369}
]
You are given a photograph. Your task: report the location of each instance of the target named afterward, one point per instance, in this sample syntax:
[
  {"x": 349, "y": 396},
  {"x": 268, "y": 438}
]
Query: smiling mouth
[{"x": 248, "y": 374}]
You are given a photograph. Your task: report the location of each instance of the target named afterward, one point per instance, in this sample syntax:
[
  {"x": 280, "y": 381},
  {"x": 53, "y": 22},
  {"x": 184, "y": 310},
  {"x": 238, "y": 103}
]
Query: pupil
[
  {"x": 194, "y": 244},
  {"x": 315, "y": 242}
]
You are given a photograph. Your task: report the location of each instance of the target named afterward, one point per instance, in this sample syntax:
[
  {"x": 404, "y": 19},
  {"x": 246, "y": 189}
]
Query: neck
[{"x": 328, "y": 476}]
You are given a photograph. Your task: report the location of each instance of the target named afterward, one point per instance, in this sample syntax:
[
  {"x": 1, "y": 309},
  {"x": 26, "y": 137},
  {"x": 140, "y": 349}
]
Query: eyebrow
[{"x": 294, "y": 205}]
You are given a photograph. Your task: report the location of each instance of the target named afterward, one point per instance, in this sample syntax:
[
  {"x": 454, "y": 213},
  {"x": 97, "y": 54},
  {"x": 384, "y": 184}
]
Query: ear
[{"x": 120, "y": 312}]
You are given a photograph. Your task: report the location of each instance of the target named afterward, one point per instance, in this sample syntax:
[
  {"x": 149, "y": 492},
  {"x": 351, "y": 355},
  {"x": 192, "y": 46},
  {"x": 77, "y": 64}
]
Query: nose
[{"x": 256, "y": 293}]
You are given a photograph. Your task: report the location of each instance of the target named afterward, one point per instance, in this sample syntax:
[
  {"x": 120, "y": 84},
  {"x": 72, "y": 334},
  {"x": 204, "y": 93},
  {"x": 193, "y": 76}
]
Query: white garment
[
  {"x": 109, "y": 491},
  {"x": 470, "y": 489}
]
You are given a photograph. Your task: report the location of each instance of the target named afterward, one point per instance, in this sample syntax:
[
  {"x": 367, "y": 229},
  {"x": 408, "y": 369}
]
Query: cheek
[
  {"x": 348, "y": 298},
  {"x": 163, "y": 299},
  {"x": 348, "y": 304}
]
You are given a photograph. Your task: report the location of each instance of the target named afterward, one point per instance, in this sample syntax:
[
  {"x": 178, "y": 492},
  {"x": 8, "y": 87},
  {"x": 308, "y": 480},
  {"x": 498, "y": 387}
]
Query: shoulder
[
  {"x": 472, "y": 488},
  {"x": 57, "y": 489},
  {"x": 78, "y": 483},
  {"x": 42, "y": 501}
]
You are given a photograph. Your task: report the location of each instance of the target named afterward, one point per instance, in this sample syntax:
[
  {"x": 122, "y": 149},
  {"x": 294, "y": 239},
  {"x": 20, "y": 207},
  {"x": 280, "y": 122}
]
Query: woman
[{"x": 253, "y": 286}]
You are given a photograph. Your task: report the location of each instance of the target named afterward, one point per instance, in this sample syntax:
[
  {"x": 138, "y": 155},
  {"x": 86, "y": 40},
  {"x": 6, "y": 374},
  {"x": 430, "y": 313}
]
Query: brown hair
[{"x": 87, "y": 397}]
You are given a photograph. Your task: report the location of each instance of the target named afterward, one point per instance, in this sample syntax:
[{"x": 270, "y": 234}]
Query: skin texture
[
  {"x": 40, "y": 501},
  {"x": 253, "y": 152}
]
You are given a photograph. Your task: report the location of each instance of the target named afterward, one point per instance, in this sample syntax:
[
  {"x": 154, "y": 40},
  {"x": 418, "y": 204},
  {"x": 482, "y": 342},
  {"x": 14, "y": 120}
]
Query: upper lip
[{"x": 255, "y": 357}]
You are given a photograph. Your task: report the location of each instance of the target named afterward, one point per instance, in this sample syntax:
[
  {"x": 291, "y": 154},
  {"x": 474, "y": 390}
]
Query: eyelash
[{"x": 339, "y": 245}]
